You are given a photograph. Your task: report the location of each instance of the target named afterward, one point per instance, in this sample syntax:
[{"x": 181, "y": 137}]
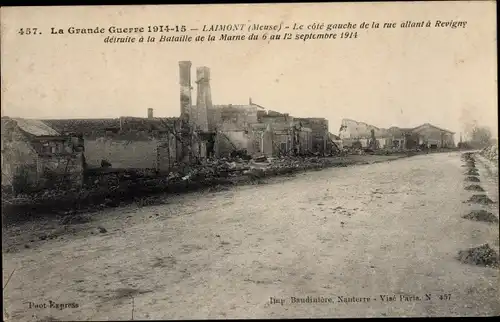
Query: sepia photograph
[{"x": 242, "y": 161}]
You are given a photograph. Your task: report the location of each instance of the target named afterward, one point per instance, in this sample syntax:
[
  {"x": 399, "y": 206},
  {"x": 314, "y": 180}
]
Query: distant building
[
  {"x": 433, "y": 136},
  {"x": 426, "y": 135}
]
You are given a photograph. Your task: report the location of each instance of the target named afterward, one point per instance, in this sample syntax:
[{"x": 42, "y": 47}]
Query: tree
[
  {"x": 475, "y": 135},
  {"x": 481, "y": 136}
]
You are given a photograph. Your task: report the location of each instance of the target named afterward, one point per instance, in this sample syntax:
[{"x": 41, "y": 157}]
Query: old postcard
[{"x": 321, "y": 160}]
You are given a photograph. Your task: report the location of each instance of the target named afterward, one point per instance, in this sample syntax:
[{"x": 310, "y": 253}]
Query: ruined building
[
  {"x": 155, "y": 143},
  {"x": 425, "y": 135},
  {"x": 35, "y": 156},
  {"x": 164, "y": 144}
]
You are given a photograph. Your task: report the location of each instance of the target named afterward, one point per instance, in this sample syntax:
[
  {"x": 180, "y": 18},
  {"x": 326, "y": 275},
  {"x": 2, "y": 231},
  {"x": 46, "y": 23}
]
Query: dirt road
[{"x": 369, "y": 232}]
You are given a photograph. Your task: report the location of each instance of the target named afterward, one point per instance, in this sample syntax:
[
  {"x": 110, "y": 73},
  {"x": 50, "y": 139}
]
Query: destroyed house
[
  {"x": 425, "y": 135},
  {"x": 35, "y": 156},
  {"x": 319, "y": 132},
  {"x": 127, "y": 142},
  {"x": 226, "y": 117}
]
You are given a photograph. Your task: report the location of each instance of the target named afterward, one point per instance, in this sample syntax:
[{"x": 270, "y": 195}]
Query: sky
[{"x": 385, "y": 77}]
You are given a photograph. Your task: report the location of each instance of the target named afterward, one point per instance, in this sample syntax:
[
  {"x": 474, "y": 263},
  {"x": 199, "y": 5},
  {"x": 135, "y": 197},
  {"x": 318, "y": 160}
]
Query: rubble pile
[
  {"x": 481, "y": 199},
  {"x": 472, "y": 172},
  {"x": 471, "y": 163},
  {"x": 481, "y": 215},
  {"x": 115, "y": 187},
  {"x": 491, "y": 152},
  {"x": 472, "y": 179},
  {"x": 474, "y": 187},
  {"x": 74, "y": 219},
  {"x": 483, "y": 255},
  {"x": 467, "y": 156}
]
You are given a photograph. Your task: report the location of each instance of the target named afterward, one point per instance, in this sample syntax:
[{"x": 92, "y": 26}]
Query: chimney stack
[
  {"x": 250, "y": 101},
  {"x": 204, "y": 98},
  {"x": 185, "y": 89},
  {"x": 150, "y": 113}
]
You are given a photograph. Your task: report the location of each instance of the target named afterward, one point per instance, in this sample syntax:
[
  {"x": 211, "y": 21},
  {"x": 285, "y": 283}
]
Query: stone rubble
[{"x": 491, "y": 152}]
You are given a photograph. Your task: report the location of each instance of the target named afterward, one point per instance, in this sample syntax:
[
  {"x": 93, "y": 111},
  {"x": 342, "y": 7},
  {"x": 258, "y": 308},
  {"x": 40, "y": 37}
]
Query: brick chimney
[
  {"x": 150, "y": 113},
  {"x": 185, "y": 89},
  {"x": 204, "y": 98}
]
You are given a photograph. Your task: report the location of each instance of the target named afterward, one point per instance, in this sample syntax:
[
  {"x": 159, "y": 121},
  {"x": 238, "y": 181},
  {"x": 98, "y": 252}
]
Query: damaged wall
[
  {"x": 351, "y": 129},
  {"x": 320, "y": 134},
  {"x": 18, "y": 158},
  {"x": 128, "y": 142},
  {"x": 305, "y": 140},
  {"x": 166, "y": 154},
  {"x": 272, "y": 117},
  {"x": 229, "y": 141},
  {"x": 56, "y": 168},
  {"x": 275, "y": 139},
  {"x": 231, "y": 117},
  {"x": 121, "y": 152},
  {"x": 124, "y": 152},
  {"x": 37, "y": 161}
]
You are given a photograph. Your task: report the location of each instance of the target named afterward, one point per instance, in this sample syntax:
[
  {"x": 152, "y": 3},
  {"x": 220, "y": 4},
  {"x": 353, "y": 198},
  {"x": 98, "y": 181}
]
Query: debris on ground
[
  {"x": 218, "y": 188},
  {"x": 102, "y": 230},
  {"x": 490, "y": 152},
  {"x": 481, "y": 215},
  {"x": 483, "y": 255},
  {"x": 474, "y": 187},
  {"x": 472, "y": 172},
  {"x": 74, "y": 219},
  {"x": 260, "y": 159},
  {"x": 481, "y": 199},
  {"x": 472, "y": 179},
  {"x": 467, "y": 155},
  {"x": 109, "y": 187},
  {"x": 149, "y": 201}
]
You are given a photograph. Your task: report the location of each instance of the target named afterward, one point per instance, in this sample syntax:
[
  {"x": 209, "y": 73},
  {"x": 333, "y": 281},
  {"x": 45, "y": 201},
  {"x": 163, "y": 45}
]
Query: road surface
[{"x": 368, "y": 233}]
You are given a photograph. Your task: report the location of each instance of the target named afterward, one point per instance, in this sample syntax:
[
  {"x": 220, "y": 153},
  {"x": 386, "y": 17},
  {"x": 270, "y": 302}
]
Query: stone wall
[
  {"x": 320, "y": 134},
  {"x": 33, "y": 162},
  {"x": 121, "y": 153},
  {"x": 18, "y": 156},
  {"x": 231, "y": 117},
  {"x": 351, "y": 129},
  {"x": 229, "y": 141},
  {"x": 61, "y": 168},
  {"x": 305, "y": 140},
  {"x": 167, "y": 154}
]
